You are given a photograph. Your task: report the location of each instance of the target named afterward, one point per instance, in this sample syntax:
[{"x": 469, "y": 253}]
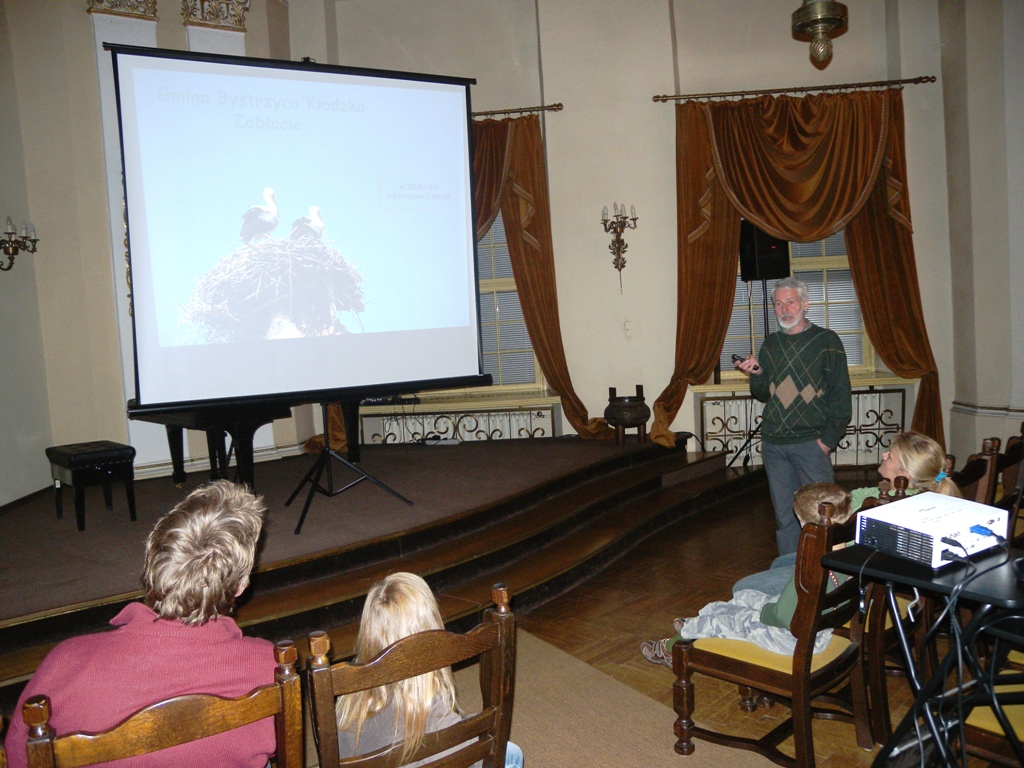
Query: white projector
[{"x": 925, "y": 526}]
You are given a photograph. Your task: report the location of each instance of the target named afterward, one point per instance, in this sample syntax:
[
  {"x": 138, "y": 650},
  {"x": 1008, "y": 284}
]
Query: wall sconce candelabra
[
  {"x": 616, "y": 225},
  {"x": 12, "y": 245}
]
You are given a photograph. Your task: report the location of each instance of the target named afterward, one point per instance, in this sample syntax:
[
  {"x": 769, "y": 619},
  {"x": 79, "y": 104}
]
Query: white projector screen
[{"x": 295, "y": 229}]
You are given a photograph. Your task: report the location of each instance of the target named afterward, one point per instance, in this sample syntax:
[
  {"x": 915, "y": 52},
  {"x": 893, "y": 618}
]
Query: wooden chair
[
  {"x": 984, "y": 736},
  {"x": 796, "y": 680},
  {"x": 482, "y": 736},
  {"x": 176, "y": 721},
  {"x": 886, "y": 494},
  {"x": 1011, "y": 479},
  {"x": 977, "y": 480}
]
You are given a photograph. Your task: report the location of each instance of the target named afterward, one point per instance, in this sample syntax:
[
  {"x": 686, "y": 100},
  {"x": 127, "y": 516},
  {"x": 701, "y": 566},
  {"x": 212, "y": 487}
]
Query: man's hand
[
  {"x": 824, "y": 447},
  {"x": 749, "y": 365}
]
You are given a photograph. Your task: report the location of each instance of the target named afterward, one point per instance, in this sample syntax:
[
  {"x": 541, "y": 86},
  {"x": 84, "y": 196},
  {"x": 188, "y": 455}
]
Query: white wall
[
  {"x": 913, "y": 32},
  {"x": 984, "y": 91},
  {"x": 612, "y": 144},
  {"x": 24, "y": 408},
  {"x": 604, "y": 61}
]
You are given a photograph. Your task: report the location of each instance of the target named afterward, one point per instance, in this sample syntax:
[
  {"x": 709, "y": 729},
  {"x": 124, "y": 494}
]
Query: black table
[{"x": 1000, "y": 599}]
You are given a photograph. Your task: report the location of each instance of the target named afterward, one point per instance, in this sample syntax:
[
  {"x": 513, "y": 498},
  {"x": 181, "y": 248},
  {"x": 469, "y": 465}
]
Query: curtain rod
[
  {"x": 876, "y": 84},
  {"x": 520, "y": 111}
]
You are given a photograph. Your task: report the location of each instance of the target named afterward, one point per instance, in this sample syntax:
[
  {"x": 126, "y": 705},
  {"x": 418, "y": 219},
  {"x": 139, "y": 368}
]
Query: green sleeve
[
  {"x": 780, "y": 613},
  {"x": 859, "y": 495},
  {"x": 760, "y": 383},
  {"x": 839, "y": 407}
]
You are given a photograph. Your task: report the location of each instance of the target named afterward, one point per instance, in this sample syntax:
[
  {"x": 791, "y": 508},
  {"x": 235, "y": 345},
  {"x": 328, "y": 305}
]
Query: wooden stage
[{"x": 539, "y": 514}]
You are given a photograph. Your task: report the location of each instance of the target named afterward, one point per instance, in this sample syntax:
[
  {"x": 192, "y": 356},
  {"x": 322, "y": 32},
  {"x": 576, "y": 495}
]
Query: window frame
[{"x": 868, "y": 366}]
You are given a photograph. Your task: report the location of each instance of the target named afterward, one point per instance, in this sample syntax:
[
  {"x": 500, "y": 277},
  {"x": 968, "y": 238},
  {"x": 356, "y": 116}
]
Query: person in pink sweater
[{"x": 180, "y": 640}]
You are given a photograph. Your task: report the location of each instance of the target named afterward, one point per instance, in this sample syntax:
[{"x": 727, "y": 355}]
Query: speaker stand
[{"x": 350, "y": 410}]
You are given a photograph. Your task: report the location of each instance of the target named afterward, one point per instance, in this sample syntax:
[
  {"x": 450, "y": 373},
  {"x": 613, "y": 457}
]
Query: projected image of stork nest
[{"x": 270, "y": 289}]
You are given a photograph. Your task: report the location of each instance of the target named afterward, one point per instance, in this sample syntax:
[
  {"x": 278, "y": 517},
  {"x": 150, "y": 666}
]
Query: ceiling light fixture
[{"x": 818, "y": 18}]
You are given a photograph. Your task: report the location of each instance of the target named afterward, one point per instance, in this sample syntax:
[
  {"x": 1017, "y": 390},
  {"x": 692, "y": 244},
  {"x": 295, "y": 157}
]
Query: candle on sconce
[
  {"x": 622, "y": 209},
  {"x": 9, "y": 229},
  {"x": 32, "y": 230},
  {"x": 24, "y": 228},
  {"x": 604, "y": 213},
  {"x": 632, "y": 212},
  {"x": 615, "y": 208}
]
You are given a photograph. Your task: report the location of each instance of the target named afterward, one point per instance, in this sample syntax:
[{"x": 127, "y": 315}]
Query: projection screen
[{"x": 295, "y": 229}]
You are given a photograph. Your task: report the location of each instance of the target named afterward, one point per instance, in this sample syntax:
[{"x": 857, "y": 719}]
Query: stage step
[
  {"x": 540, "y": 543},
  {"x": 535, "y": 574}
]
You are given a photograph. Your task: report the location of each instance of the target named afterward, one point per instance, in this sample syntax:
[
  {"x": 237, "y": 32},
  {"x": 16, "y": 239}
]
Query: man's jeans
[{"x": 788, "y": 468}]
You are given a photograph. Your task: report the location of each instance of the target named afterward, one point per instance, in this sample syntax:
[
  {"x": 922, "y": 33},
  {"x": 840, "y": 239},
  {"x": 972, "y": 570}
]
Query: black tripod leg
[
  {"x": 351, "y": 413},
  {"x": 746, "y": 443},
  {"x": 367, "y": 476},
  {"x": 318, "y": 464},
  {"x": 319, "y": 467}
]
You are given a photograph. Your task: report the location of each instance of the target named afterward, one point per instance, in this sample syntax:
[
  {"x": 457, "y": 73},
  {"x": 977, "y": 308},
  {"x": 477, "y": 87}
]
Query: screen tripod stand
[{"x": 350, "y": 411}]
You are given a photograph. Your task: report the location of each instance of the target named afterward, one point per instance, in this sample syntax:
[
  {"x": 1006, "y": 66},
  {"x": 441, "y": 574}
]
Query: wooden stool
[{"x": 100, "y": 462}]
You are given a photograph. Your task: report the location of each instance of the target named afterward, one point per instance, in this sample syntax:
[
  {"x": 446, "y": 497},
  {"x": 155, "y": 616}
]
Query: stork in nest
[
  {"x": 260, "y": 220},
  {"x": 308, "y": 226}
]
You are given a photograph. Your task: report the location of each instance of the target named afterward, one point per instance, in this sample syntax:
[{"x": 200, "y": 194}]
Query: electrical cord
[
  {"x": 860, "y": 585},
  {"x": 956, "y": 638}
]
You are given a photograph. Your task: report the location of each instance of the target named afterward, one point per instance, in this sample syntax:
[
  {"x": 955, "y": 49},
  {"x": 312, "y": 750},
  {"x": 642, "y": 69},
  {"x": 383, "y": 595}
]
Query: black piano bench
[{"x": 100, "y": 462}]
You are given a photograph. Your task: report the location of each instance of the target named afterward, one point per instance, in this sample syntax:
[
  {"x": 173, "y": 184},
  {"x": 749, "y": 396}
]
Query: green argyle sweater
[{"x": 805, "y": 386}]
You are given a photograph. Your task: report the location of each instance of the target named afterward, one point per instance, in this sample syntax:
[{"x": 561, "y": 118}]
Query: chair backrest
[
  {"x": 1012, "y": 479},
  {"x": 885, "y": 495},
  {"x": 482, "y": 736},
  {"x": 176, "y": 721},
  {"x": 817, "y": 608},
  {"x": 1010, "y": 460},
  {"x": 977, "y": 480}
]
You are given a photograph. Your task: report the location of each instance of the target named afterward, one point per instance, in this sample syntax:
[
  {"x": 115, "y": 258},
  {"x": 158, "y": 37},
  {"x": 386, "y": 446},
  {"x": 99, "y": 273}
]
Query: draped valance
[{"x": 800, "y": 169}]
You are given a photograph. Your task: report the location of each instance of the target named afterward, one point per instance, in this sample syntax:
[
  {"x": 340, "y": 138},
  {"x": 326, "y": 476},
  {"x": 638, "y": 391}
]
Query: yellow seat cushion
[
  {"x": 745, "y": 651},
  {"x": 984, "y": 718},
  {"x": 1016, "y": 657}
]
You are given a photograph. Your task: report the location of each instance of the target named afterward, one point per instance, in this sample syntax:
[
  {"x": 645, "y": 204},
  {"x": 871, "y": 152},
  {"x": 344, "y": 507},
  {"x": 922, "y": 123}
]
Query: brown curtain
[
  {"x": 885, "y": 276},
  {"x": 708, "y": 239},
  {"x": 491, "y": 158},
  {"x": 526, "y": 211},
  {"x": 802, "y": 169},
  {"x": 335, "y": 428}
]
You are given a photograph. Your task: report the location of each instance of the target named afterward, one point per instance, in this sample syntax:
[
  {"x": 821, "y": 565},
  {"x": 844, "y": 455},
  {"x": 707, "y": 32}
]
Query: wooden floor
[{"x": 675, "y": 573}]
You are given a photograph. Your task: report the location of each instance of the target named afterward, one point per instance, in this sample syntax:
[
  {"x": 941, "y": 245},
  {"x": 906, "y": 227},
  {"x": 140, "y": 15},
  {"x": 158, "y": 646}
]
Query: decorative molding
[
  {"x": 973, "y": 409},
  {"x": 461, "y": 426},
  {"x": 137, "y": 9},
  {"x": 218, "y": 14}
]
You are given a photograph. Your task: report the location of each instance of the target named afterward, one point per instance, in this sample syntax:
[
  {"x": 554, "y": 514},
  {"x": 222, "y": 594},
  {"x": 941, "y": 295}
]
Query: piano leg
[
  {"x": 242, "y": 433},
  {"x": 218, "y": 453},
  {"x": 176, "y": 444}
]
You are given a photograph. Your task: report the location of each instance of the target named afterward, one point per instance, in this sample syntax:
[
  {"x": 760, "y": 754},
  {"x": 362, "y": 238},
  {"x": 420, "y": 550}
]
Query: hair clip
[{"x": 941, "y": 476}]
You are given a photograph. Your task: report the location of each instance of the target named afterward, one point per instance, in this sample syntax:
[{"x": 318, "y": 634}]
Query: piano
[{"x": 239, "y": 421}]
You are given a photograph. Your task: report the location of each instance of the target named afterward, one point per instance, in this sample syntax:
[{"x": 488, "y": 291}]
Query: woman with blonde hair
[
  {"x": 398, "y": 606},
  {"x": 919, "y": 459}
]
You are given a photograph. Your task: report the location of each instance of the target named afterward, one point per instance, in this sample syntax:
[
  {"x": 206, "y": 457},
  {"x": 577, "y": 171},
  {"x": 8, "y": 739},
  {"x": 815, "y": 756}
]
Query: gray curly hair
[{"x": 199, "y": 555}]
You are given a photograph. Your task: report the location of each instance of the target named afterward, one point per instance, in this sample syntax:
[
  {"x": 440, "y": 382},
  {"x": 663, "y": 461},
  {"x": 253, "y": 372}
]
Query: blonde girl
[{"x": 396, "y": 607}]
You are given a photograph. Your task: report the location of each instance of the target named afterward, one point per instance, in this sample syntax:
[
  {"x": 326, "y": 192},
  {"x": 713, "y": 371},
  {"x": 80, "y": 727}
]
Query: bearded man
[{"x": 802, "y": 377}]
